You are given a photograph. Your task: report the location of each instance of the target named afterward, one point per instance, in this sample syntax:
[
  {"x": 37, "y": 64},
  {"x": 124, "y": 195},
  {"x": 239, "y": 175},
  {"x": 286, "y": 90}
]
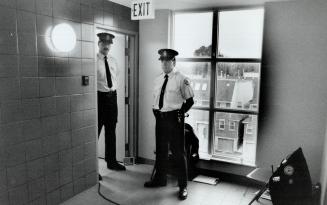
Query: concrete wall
[
  {"x": 47, "y": 118},
  {"x": 153, "y": 36},
  {"x": 294, "y": 94},
  {"x": 323, "y": 177}
]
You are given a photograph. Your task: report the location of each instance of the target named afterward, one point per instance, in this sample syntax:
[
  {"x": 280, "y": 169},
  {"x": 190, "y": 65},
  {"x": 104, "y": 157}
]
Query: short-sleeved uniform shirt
[
  {"x": 102, "y": 76},
  {"x": 178, "y": 89}
]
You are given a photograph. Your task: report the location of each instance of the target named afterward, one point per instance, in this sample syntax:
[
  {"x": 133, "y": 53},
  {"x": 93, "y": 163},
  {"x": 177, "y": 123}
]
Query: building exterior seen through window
[{"x": 220, "y": 51}]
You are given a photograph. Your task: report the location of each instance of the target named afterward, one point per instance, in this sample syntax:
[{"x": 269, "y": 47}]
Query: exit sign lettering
[{"x": 142, "y": 9}]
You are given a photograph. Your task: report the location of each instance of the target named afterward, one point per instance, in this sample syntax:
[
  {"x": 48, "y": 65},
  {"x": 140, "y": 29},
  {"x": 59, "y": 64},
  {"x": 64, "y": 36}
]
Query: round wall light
[{"x": 63, "y": 37}]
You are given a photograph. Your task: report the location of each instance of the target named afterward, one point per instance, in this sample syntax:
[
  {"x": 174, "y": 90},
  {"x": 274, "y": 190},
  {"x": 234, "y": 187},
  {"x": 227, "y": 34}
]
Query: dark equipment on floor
[
  {"x": 192, "y": 150},
  {"x": 192, "y": 153},
  {"x": 290, "y": 183}
]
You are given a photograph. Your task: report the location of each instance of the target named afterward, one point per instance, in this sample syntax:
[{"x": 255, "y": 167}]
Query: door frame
[{"x": 133, "y": 90}]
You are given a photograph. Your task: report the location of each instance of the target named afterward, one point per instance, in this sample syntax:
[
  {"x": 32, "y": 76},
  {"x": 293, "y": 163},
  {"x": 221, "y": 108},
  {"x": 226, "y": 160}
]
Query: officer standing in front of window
[
  {"x": 173, "y": 96},
  {"x": 107, "y": 84}
]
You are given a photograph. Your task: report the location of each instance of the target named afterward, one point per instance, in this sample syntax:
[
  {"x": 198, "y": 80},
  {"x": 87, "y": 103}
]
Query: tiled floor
[{"x": 126, "y": 188}]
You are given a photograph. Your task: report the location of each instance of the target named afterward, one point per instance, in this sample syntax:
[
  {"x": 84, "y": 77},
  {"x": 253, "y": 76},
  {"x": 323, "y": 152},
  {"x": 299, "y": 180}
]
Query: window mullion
[{"x": 213, "y": 79}]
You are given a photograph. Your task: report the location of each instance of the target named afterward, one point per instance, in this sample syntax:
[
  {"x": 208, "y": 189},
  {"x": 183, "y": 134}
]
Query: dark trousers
[
  {"x": 107, "y": 117},
  {"x": 170, "y": 135}
]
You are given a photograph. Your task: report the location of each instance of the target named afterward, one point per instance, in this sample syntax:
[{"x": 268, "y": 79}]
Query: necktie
[
  {"x": 108, "y": 72},
  {"x": 163, "y": 92}
]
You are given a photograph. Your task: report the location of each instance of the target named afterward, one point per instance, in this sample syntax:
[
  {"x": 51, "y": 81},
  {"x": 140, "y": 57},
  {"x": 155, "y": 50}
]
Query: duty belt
[
  {"x": 107, "y": 94},
  {"x": 168, "y": 114}
]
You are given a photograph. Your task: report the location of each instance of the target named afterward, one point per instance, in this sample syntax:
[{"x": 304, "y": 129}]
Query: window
[
  {"x": 240, "y": 33},
  {"x": 232, "y": 125},
  {"x": 220, "y": 51},
  {"x": 221, "y": 124},
  {"x": 197, "y": 86},
  {"x": 199, "y": 73},
  {"x": 249, "y": 129},
  {"x": 204, "y": 86},
  {"x": 193, "y": 42}
]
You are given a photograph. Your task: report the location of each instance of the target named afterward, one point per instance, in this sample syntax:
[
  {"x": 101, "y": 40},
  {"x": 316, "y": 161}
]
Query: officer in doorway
[
  {"x": 173, "y": 96},
  {"x": 107, "y": 73}
]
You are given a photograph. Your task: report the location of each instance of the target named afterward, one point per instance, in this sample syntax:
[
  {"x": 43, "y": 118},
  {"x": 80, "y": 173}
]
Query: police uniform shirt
[
  {"x": 178, "y": 89},
  {"x": 101, "y": 73}
]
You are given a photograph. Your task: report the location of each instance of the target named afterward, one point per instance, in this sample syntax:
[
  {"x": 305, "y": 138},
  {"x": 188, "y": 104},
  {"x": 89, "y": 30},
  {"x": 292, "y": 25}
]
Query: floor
[{"x": 126, "y": 188}]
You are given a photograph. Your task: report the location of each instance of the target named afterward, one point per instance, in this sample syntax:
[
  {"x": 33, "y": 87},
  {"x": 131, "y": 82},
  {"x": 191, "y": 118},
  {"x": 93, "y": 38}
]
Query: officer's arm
[{"x": 187, "y": 105}]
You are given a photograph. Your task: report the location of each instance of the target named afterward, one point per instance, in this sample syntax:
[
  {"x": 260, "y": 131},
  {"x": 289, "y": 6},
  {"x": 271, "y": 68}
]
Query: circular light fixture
[{"x": 63, "y": 37}]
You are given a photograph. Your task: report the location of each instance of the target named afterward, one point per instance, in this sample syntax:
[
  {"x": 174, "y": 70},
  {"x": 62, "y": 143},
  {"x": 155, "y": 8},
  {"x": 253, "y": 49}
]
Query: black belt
[
  {"x": 107, "y": 94},
  {"x": 168, "y": 114}
]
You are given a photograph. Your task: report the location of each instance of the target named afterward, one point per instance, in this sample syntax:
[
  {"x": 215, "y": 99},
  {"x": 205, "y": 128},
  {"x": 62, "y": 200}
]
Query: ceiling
[{"x": 196, "y": 4}]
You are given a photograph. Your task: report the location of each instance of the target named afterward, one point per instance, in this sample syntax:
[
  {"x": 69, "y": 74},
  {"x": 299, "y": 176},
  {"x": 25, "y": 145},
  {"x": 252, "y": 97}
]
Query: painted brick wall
[{"x": 47, "y": 118}]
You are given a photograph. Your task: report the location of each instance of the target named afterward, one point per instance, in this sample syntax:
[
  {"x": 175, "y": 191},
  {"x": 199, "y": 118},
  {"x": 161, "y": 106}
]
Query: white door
[{"x": 118, "y": 52}]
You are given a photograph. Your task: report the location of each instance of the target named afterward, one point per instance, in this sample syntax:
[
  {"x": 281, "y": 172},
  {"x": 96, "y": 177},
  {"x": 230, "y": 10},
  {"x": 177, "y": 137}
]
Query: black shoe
[
  {"x": 155, "y": 183},
  {"x": 182, "y": 194},
  {"x": 116, "y": 166},
  {"x": 100, "y": 177}
]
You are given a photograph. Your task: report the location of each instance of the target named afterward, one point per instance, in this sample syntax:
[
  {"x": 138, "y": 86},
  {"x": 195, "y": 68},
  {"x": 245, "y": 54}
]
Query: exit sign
[{"x": 142, "y": 9}]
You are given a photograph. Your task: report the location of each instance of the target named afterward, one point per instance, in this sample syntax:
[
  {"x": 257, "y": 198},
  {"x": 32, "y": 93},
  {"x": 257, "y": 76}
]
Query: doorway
[{"x": 124, "y": 51}]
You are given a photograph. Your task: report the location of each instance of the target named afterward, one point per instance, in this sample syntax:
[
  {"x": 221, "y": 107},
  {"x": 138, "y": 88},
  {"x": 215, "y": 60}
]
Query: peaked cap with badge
[
  {"x": 106, "y": 37},
  {"x": 167, "y": 54}
]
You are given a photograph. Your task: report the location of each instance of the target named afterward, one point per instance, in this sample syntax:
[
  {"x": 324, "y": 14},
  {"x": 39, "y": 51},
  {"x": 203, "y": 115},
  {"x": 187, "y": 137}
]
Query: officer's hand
[{"x": 180, "y": 113}]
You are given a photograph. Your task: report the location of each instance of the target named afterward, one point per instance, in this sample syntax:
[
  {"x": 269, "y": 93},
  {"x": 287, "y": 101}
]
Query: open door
[{"x": 118, "y": 52}]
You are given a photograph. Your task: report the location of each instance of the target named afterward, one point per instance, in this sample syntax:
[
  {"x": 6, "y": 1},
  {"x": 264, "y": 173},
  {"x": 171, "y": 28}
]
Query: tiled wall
[{"x": 47, "y": 118}]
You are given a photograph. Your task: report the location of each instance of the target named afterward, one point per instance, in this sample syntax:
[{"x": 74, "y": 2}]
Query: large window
[
  {"x": 193, "y": 34},
  {"x": 220, "y": 51}
]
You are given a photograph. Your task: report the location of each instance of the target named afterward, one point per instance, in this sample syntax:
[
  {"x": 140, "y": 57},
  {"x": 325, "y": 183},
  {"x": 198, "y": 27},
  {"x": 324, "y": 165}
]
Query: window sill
[
  {"x": 224, "y": 170},
  {"x": 225, "y": 159}
]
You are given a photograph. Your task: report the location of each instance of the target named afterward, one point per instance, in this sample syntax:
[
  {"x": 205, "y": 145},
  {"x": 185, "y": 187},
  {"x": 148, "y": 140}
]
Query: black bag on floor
[{"x": 192, "y": 152}]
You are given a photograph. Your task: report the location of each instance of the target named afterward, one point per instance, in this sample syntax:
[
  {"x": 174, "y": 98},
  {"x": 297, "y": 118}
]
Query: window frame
[
  {"x": 221, "y": 124},
  {"x": 231, "y": 122},
  {"x": 249, "y": 129},
  {"x": 214, "y": 59}
]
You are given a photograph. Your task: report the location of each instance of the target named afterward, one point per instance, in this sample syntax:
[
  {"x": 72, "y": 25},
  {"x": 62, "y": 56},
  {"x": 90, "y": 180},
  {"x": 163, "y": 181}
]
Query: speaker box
[{"x": 291, "y": 183}]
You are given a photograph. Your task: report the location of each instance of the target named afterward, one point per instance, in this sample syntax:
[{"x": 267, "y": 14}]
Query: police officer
[
  {"x": 107, "y": 84},
  {"x": 173, "y": 96}
]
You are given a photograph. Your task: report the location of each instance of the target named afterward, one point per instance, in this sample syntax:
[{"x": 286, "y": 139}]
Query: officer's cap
[
  {"x": 106, "y": 37},
  {"x": 167, "y": 54}
]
